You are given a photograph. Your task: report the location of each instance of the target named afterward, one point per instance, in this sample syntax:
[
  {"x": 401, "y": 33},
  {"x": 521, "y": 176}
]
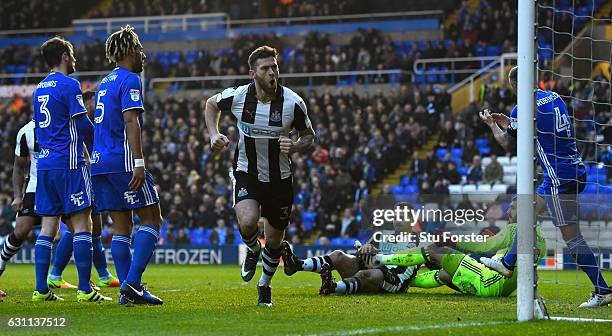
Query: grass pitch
[{"x": 203, "y": 300}]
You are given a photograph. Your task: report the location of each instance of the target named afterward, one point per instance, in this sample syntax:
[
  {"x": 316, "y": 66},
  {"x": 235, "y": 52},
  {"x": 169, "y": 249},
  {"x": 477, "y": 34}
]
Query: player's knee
[
  {"x": 248, "y": 220},
  {"x": 21, "y": 232},
  {"x": 151, "y": 215}
]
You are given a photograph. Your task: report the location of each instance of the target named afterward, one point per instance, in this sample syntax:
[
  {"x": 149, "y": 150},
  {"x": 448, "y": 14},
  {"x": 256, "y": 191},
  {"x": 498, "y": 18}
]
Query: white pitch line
[
  {"x": 577, "y": 319},
  {"x": 407, "y": 328}
]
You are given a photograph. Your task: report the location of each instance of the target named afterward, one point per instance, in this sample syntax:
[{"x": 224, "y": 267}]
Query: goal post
[{"x": 525, "y": 152}]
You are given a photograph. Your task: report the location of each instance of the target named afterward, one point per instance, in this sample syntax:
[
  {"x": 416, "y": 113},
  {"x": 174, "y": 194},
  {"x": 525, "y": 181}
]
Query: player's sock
[
  {"x": 413, "y": 257},
  {"x": 11, "y": 246},
  {"x": 251, "y": 241},
  {"x": 99, "y": 258},
  {"x": 42, "y": 260},
  {"x": 270, "y": 260},
  {"x": 509, "y": 259},
  {"x": 144, "y": 245},
  {"x": 314, "y": 264},
  {"x": 348, "y": 286},
  {"x": 82, "y": 259},
  {"x": 585, "y": 258},
  {"x": 63, "y": 252},
  {"x": 122, "y": 255},
  {"x": 430, "y": 279}
]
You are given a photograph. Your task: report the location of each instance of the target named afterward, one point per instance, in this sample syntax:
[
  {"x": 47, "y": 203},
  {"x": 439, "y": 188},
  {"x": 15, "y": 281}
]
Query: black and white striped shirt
[
  {"x": 27, "y": 146},
  {"x": 260, "y": 126}
]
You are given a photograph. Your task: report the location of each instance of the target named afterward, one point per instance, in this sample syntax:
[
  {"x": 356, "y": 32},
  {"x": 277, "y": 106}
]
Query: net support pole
[{"x": 525, "y": 167}]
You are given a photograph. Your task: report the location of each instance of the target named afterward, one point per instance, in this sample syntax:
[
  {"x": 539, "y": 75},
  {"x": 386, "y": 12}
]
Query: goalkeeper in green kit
[{"x": 458, "y": 270}]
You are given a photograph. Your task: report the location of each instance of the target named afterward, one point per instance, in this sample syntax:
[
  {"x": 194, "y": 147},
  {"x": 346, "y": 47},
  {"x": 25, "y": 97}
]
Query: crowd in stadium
[
  {"x": 359, "y": 141},
  {"x": 361, "y": 137}
]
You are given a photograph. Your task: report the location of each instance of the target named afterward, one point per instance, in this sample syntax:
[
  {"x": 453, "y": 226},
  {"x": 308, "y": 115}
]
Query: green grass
[{"x": 213, "y": 300}]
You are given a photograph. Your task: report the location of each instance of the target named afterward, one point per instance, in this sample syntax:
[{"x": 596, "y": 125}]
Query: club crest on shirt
[
  {"x": 275, "y": 116},
  {"x": 135, "y": 95},
  {"x": 79, "y": 98}
]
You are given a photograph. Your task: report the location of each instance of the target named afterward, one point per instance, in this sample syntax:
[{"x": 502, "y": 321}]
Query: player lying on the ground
[
  {"x": 458, "y": 270},
  {"x": 355, "y": 276}
]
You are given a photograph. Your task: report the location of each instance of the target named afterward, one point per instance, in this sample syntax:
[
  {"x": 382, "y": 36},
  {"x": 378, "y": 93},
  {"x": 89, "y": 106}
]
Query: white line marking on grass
[
  {"x": 407, "y": 328},
  {"x": 168, "y": 290},
  {"x": 577, "y": 319}
]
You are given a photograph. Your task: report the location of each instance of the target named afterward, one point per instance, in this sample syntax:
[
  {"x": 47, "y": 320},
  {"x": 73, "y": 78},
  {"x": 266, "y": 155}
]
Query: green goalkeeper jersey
[{"x": 499, "y": 244}]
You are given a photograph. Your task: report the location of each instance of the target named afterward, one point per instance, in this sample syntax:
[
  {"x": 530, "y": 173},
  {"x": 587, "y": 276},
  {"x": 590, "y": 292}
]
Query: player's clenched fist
[
  {"x": 218, "y": 142},
  {"x": 286, "y": 144}
]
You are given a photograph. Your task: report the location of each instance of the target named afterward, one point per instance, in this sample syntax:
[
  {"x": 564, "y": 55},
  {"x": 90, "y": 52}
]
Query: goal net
[{"x": 574, "y": 52}]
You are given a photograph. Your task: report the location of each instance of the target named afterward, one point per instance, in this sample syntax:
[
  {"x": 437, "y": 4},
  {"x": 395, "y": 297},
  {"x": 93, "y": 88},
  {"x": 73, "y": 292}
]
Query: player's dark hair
[
  {"x": 261, "y": 52},
  {"x": 53, "y": 49},
  {"x": 121, "y": 43}
]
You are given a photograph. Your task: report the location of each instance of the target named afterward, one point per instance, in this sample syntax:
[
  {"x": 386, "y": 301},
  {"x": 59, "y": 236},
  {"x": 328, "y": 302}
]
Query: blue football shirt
[
  {"x": 556, "y": 142},
  {"x": 119, "y": 91},
  {"x": 57, "y": 100}
]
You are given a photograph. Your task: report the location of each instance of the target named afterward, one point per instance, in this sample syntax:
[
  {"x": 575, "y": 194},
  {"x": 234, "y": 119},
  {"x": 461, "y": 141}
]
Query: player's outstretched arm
[
  {"x": 500, "y": 135},
  {"x": 212, "y": 113},
  {"x": 132, "y": 130}
]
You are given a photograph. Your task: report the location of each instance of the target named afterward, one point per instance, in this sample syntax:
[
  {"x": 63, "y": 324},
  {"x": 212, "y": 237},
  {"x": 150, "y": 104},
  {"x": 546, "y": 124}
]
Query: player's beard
[{"x": 268, "y": 85}]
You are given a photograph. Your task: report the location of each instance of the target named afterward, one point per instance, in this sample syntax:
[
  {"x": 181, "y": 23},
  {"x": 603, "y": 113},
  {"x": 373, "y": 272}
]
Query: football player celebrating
[{"x": 266, "y": 113}]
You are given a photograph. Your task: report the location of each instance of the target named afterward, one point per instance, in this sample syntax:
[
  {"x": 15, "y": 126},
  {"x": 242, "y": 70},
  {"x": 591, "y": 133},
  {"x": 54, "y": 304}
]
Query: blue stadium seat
[
  {"x": 481, "y": 142},
  {"x": 441, "y": 152},
  {"x": 419, "y": 79},
  {"x": 337, "y": 241},
  {"x": 422, "y": 45},
  {"x": 481, "y": 51},
  {"x": 397, "y": 189},
  {"x": 485, "y": 150},
  {"x": 308, "y": 219},
  {"x": 408, "y": 47},
  {"x": 493, "y": 50},
  {"x": 456, "y": 152},
  {"x": 411, "y": 189},
  {"x": 443, "y": 78},
  {"x": 433, "y": 77},
  {"x": 404, "y": 180}
]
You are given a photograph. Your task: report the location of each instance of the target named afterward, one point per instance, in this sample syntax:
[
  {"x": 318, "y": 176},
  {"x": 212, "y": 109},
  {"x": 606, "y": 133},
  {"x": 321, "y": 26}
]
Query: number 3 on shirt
[
  {"x": 562, "y": 122},
  {"x": 100, "y": 106},
  {"x": 43, "y": 100}
]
